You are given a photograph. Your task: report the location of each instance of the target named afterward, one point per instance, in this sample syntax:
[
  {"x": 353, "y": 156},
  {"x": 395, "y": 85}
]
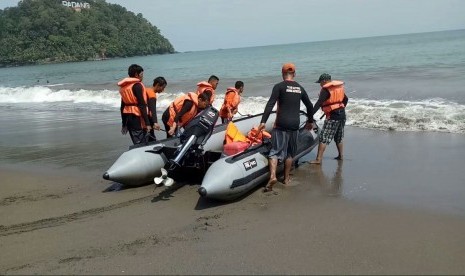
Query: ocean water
[
  {"x": 411, "y": 82},
  {"x": 66, "y": 116}
]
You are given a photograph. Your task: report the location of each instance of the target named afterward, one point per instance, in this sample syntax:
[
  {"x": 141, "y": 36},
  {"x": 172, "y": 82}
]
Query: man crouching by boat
[
  {"x": 181, "y": 111},
  {"x": 134, "y": 114},
  {"x": 288, "y": 95}
]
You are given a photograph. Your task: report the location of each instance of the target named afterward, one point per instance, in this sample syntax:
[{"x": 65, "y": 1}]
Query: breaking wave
[{"x": 422, "y": 115}]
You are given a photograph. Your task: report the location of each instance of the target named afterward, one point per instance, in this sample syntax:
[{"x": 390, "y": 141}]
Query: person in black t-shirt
[{"x": 287, "y": 94}]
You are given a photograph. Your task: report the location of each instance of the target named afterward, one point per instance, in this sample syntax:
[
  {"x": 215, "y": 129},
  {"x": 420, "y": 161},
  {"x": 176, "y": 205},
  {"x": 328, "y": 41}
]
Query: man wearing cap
[
  {"x": 287, "y": 94},
  {"x": 332, "y": 100}
]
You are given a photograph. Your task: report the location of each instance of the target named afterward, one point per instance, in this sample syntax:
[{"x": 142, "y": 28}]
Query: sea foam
[{"x": 422, "y": 115}]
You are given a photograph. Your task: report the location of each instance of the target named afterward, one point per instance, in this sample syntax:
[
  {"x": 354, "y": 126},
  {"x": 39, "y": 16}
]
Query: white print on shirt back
[{"x": 293, "y": 89}]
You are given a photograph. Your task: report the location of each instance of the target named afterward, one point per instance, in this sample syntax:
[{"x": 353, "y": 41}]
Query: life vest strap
[{"x": 331, "y": 104}]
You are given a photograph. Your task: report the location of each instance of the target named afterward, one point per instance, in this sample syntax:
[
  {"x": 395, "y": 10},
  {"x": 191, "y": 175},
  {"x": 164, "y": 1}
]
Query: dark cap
[
  {"x": 324, "y": 77},
  {"x": 288, "y": 68}
]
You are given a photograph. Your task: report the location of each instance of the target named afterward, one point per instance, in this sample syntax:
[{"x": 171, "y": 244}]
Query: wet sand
[{"x": 395, "y": 205}]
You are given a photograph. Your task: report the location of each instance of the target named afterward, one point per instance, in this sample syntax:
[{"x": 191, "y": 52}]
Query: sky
[{"x": 193, "y": 25}]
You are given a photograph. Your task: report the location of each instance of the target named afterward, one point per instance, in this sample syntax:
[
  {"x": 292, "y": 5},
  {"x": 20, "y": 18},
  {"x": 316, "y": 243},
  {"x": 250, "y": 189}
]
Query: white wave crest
[
  {"x": 426, "y": 115},
  {"x": 423, "y": 115},
  {"x": 40, "y": 94}
]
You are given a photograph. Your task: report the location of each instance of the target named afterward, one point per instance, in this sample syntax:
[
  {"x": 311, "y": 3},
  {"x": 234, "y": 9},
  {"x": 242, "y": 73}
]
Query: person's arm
[
  {"x": 139, "y": 94},
  {"x": 124, "y": 128},
  {"x": 345, "y": 100},
  {"x": 123, "y": 116},
  {"x": 186, "y": 106},
  {"x": 324, "y": 95},
  {"x": 269, "y": 107},
  {"x": 152, "y": 103},
  {"x": 270, "y": 104},
  {"x": 308, "y": 104}
]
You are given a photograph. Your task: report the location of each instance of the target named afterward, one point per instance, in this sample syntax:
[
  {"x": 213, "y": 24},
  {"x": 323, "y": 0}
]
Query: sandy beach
[{"x": 393, "y": 206}]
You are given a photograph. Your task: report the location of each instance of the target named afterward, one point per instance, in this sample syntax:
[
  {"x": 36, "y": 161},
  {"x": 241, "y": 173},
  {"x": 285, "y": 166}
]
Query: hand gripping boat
[
  {"x": 230, "y": 177},
  {"x": 140, "y": 165}
]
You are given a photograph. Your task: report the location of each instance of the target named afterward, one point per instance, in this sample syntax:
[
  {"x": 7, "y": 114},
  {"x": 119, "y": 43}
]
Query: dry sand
[{"x": 335, "y": 219}]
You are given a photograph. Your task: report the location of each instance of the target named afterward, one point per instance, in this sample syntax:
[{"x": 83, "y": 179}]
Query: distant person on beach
[
  {"x": 208, "y": 87},
  {"x": 232, "y": 98},
  {"x": 134, "y": 113},
  {"x": 159, "y": 84},
  {"x": 287, "y": 94},
  {"x": 332, "y": 100},
  {"x": 181, "y": 111}
]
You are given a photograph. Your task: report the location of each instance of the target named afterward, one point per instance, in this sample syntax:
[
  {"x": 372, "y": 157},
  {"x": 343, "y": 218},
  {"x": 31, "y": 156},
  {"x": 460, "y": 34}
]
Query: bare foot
[
  {"x": 286, "y": 182},
  {"x": 269, "y": 185},
  {"x": 315, "y": 162}
]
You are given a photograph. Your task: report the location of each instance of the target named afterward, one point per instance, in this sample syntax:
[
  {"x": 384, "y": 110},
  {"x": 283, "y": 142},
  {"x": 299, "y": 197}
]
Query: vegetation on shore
[{"x": 47, "y": 31}]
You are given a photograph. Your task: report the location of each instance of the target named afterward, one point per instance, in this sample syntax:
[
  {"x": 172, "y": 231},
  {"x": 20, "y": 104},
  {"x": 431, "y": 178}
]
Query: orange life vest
[
  {"x": 203, "y": 86},
  {"x": 233, "y": 134},
  {"x": 129, "y": 99},
  {"x": 256, "y": 137},
  {"x": 336, "y": 97},
  {"x": 176, "y": 107},
  {"x": 150, "y": 92},
  {"x": 231, "y": 101}
]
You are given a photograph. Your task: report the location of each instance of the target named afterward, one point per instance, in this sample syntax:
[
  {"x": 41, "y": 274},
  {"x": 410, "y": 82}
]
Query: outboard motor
[{"x": 196, "y": 134}]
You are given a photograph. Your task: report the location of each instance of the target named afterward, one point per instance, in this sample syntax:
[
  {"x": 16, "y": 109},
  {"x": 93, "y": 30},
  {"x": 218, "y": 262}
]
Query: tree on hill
[{"x": 43, "y": 31}]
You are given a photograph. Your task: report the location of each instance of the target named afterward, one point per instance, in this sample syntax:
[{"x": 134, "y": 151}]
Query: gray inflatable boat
[
  {"x": 230, "y": 177},
  {"x": 184, "y": 156}
]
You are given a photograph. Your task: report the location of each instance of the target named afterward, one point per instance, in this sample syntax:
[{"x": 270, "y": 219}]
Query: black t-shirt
[{"x": 288, "y": 95}]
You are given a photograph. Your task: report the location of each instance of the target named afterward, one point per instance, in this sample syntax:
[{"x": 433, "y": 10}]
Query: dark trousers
[{"x": 138, "y": 135}]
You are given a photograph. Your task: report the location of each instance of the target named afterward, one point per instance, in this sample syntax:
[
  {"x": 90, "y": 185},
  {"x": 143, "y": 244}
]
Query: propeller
[{"x": 163, "y": 179}]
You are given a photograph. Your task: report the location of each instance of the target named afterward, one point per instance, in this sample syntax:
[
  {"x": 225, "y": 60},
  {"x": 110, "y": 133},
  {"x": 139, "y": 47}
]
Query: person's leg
[
  {"x": 338, "y": 139},
  {"x": 278, "y": 143},
  {"x": 287, "y": 171},
  {"x": 164, "y": 118},
  {"x": 293, "y": 137},
  {"x": 272, "y": 164},
  {"x": 319, "y": 156},
  {"x": 151, "y": 136},
  {"x": 325, "y": 137},
  {"x": 138, "y": 136},
  {"x": 340, "y": 151},
  {"x": 135, "y": 130}
]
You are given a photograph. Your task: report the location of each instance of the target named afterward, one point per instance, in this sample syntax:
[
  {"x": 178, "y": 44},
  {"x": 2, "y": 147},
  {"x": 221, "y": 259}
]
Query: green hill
[{"x": 46, "y": 31}]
